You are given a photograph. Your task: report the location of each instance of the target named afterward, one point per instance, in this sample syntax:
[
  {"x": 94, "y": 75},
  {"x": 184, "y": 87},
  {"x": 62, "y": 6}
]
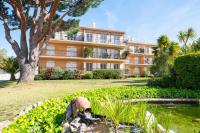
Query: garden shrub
[
  {"x": 69, "y": 74},
  {"x": 187, "y": 68},
  {"x": 88, "y": 75},
  {"x": 107, "y": 74},
  {"x": 38, "y": 77},
  {"x": 56, "y": 73},
  {"x": 166, "y": 81},
  {"x": 78, "y": 74}
]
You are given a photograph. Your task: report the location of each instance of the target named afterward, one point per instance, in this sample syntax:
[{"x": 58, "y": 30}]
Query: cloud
[{"x": 111, "y": 19}]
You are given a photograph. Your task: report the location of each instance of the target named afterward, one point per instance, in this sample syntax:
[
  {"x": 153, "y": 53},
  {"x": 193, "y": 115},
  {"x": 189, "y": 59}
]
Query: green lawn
[{"x": 14, "y": 98}]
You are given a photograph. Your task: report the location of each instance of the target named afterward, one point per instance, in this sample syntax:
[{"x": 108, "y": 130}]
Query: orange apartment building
[{"x": 107, "y": 46}]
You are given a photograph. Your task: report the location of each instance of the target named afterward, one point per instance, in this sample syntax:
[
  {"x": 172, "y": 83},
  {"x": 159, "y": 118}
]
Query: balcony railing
[
  {"x": 93, "y": 39},
  {"x": 66, "y": 53}
]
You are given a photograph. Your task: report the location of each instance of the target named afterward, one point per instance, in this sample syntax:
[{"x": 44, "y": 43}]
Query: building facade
[{"x": 107, "y": 47}]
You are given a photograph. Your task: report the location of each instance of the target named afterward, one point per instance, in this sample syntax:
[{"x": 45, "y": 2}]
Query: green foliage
[
  {"x": 164, "y": 56},
  {"x": 38, "y": 77},
  {"x": 10, "y": 65},
  {"x": 69, "y": 74},
  {"x": 107, "y": 74},
  {"x": 56, "y": 73},
  {"x": 48, "y": 116},
  {"x": 184, "y": 37},
  {"x": 52, "y": 74},
  {"x": 163, "y": 43},
  {"x": 88, "y": 51},
  {"x": 125, "y": 54},
  {"x": 88, "y": 75},
  {"x": 72, "y": 74},
  {"x": 166, "y": 81},
  {"x": 195, "y": 47},
  {"x": 160, "y": 66},
  {"x": 187, "y": 68}
]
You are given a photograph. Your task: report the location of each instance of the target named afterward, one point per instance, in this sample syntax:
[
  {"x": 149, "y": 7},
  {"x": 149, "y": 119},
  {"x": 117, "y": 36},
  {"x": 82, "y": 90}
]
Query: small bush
[
  {"x": 38, "y": 77},
  {"x": 166, "y": 81},
  {"x": 187, "y": 69},
  {"x": 56, "y": 74},
  {"x": 69, "y": 74},
  {"x": 107, "y": 74},
  {"x": 78, "y": 74},
  {"x": 88, "y": 75}
]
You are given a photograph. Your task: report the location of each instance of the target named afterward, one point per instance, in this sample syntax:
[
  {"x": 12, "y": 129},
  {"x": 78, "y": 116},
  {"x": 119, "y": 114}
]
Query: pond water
[{"x": 181, "y": 119}]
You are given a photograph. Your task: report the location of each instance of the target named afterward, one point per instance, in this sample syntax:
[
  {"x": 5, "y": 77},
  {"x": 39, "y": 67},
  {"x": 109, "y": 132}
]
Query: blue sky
[{"x": 143, "y": 20}]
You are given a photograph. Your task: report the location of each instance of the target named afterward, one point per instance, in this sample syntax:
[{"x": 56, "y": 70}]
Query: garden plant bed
[{"x": 48, "y": 116}]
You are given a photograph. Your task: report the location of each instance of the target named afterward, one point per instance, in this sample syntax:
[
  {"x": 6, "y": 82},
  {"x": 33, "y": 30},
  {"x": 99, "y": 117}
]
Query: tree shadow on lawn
[{"x": 5, "y": 83}]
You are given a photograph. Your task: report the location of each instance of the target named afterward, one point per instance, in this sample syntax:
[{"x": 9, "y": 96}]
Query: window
[
  {"x": 71, "y": 65},
  {"x": 103, "y": 39},
  {"x": 50, "y": 64},
  {"x": 132, "y": 49},
  {"x": 89, "y": 67},
  {"x": 103, "y": 66},
  {"x": 116, "y": 66},
  {"x": 127, "y": 61},
  {"x": 71, "y": 51},
  {"x": 50, "y": 50},
  {"x": 104, "y": 53},
  {"x": 136, "y": 60},
  {"x": 89, "y": 37},
  {"x": 116, "y": 40}
]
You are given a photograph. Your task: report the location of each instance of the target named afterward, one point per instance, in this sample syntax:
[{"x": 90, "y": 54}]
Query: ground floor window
[
  {"x": 116, "y": 66},
  {"x": 89, "y": 67},
  {"x": 103, "y": 66},
  {"x": 71, "y": 65},
  {"x": 50, "y": 64}
]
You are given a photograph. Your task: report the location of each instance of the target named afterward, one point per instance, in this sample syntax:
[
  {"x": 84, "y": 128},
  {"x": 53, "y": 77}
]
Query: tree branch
[{"x": 13, "y": 43}]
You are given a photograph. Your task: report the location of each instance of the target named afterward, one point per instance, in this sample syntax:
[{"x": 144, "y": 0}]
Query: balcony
[
  {"x": 74, "y": 55},
  {"x": 88, "y": 40}
]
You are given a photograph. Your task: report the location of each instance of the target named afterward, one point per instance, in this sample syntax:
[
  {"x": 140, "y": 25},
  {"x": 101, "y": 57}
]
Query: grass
[{"x": 14, "y": 98}]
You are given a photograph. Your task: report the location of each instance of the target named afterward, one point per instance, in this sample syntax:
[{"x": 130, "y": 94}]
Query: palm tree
[
  {"x": 174, "y": 49},
  {"x": 163, "y": 43},
  {"x": 184, "y": 36},
  {"x": 10, "y": 65}
]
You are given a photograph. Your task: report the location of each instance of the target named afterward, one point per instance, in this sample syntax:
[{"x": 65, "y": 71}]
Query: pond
[{"x": 179, "y": 118}]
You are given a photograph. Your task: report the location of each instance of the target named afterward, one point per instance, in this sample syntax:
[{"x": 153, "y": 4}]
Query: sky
[{"x": 142, "y": 20}]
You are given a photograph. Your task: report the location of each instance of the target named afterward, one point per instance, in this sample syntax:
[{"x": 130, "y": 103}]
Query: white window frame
[
  {"x": 88, "y": 35},
  {"x": 103, "y": 38},
  {"x": 50, "y": 50},
  {"x": 132, "y": 49},
  {"x": 89, "y": 66},
  {"x": 136, "y": 60},
  {"x": 71, "y": 66},
  {"x": 50, "y": 64},
  {"x": 71, "y": 51}
]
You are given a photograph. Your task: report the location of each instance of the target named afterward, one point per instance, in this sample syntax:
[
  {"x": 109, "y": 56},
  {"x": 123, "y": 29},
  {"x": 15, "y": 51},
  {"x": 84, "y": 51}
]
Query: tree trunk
[
  {"x": 12, "y": 77},
  {"x": 27, "y": 73}
]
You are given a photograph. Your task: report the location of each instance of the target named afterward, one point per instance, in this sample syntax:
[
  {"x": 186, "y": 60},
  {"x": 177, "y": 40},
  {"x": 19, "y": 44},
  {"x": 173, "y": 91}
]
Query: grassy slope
[{"x": 14, "y": 98}]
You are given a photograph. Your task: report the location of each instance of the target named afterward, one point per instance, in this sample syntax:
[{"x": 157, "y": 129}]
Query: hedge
[
  {"x": 58, "y": 74},
  {"x": 48, "y": 116},
  {"x": 187, "y": 68},
  {"x": 107, "y": 74}
]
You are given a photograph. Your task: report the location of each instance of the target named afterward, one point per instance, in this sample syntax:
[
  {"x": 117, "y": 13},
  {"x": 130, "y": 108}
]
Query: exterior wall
[
  {"x": 145, "y": 58},
  {"x": 58, "y": 51}
]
